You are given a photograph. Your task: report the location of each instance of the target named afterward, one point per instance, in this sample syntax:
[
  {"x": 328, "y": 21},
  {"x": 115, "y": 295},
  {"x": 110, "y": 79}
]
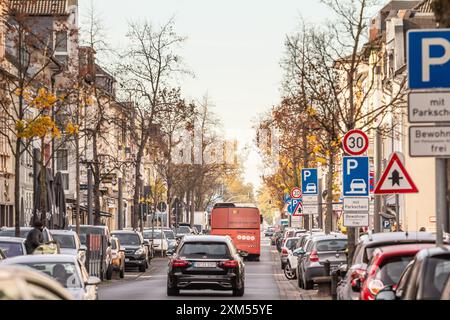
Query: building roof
[
  {"x": 40, "y": 7},
  {"x": 425, "y": 6},
  {"x": 400, "y": 5}
]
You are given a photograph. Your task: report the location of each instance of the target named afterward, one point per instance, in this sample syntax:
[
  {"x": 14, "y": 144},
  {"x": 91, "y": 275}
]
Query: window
[
  {"x": 62, "y": 160},
  {"x": 61, "y": 46},
  {"x": 65, "y": 181}
]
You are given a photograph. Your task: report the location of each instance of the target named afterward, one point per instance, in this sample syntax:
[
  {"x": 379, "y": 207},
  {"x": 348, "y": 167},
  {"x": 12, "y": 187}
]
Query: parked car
[
  {"x": 136, "y": 254},
  {"x": 160, "y": 243},
  {"x": 199, "y": 228},
  {"x": 50, "y": 245},
  {"x": 288, "y": 247},
  {"x": 172, "y": 242},
  {"x": 70, "y": 243},
  {"x": 290, "y": 270},
  {"x": 364, "y": 252},
  {"x": 206, "y": 262},
  {"x": 22, "y": 283},
  {"x": 2, "y": 255},
  {"x": 118, "y": 257},
  {"x": 12, "y": 246},
  {"x": 385, "y": 268},
  {"x": 182, "y": 231},
  {"x": 269, "y": 232},
  {"x": 274, "y": 239},
  {"x": 423, "y": 279},
  {"x": 446, "y": 291},
  {"x": 100, "y": 230},
  {"x": 318, "y": 250},
  {"x": 66, "y": 269}
]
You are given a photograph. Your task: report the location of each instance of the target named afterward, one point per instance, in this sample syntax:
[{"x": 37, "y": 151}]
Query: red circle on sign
[
  {"x": 358, "y": 145},
  {"x": 296, "y": 193}
]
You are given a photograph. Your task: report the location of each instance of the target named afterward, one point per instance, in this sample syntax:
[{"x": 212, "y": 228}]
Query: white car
[
  {"x": 66, "y": 269},
  {"x": 158, "y": 238},
  {"x": 70, "y": 243},
  {"x": 311, "y": 188},
  {"x": 358, "y": 186}
]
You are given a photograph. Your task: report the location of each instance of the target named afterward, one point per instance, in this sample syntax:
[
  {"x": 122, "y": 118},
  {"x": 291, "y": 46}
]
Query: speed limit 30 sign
[
  {"x": 356, "y": 142},
  {"x": 296, "y": 193}
]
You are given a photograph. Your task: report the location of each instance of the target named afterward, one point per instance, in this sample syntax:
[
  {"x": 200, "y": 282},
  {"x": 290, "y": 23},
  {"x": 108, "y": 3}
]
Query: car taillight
[
  {"x": 180, "y": 263},
  {"x": 375, "y": 286},
  {"x": 229, "y": 264},
  {"x": 358, "y": 273},
  {"x": 314, "y": 257},
  {"x": 284, "y": 251}
]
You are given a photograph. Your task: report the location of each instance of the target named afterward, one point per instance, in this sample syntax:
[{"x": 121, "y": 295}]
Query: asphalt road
[{"x": 264, "y": 281}]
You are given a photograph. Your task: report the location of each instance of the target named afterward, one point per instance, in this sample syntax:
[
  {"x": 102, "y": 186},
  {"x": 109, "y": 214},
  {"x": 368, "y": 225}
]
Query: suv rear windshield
[
  {"x": 214, "y": 250},
  {"x": 128, "y": 238},
  {"x": 436, "y": 275},
  {"x": 390, "y": 271},
  {"x": 331, "y": 245},
  {"x": 183, "y": 229},
  {"x": 291, "y": 243}
]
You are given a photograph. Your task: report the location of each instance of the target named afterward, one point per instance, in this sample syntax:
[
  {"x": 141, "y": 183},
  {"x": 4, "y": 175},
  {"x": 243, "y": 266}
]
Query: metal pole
[
  {"x": 397, "y": 211},
  {"x": 89, "y": 198},
  {"x": 120, "y": 206},
  {"x": 441, "y": 199},
  {"x": 377, "y": 204},
  {"x": 320, "y": 205}
]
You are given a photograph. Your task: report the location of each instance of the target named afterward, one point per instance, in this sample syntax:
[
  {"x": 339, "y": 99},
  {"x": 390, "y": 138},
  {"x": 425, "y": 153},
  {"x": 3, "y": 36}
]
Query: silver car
[
  {"x": 66, "y": 269},
  {"x": 70, "y": 243},
  {"x": 13, "y": 247}
]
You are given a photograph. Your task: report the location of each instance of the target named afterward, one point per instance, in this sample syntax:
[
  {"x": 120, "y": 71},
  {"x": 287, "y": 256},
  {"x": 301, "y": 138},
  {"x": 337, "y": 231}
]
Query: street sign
[
  {"x": 287, "y": 198},
  {"x": 355, "y": 180},
  {"x": 427, "y": 107},
  {"x": 429, "y": 58},
  {"x": 296, "y": 221},
  {"x": 310, "y": 182},
  {"x": 355, "y": 142},
  {"x": 296, "y": 193},
  {"x": 337, "y": 206},
  {"x": 386, "y": 224},
  {"x": 295, "y": 206},
  {"x": 395, "y": 179},
  {"x": 356, "y": 219},
  {"x": 310, "y": 209},
  {"x": 356, "y": 204},
  {"x": 429, "y": 141},
  {"x": 310, "y": 200}
]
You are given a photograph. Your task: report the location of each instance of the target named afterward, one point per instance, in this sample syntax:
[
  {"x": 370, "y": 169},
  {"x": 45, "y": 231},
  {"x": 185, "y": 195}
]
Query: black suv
[
  {"x": 206, "y": 263},
  {"x": 136, "y": 252}
]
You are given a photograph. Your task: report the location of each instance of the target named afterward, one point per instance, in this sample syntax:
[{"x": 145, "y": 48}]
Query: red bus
[{"x": 242, "y": 224}]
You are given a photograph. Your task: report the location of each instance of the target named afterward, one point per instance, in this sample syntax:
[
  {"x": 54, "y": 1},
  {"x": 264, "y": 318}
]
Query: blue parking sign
[
  {"x": 429, "y": 59},
  {"x": 355, "y": 180},
  {"x": 310, "y": 182},
  {"x": 294, "y": 205}
]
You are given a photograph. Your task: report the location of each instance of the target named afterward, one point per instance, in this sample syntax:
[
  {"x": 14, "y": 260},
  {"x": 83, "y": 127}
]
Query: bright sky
[{"x": 234, "y": 47}]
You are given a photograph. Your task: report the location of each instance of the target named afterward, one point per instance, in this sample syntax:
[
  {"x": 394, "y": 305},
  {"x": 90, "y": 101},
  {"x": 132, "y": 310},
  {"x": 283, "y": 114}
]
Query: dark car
[
  {"x": 135, "y": 251},
  {"x": 275, "y": 237},
  {"x": 364, "y": 252},
  {"x": 319, "y": 249},
  {"x": 103, "y": 231},
  {"x": 446, "y": 291},
  {"x": 206, "y": 263},
  {"x": 423, "y": 279}
]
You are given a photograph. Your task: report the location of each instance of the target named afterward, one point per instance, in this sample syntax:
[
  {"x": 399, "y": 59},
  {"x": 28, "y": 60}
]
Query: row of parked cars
[
  {"x": 385, "y": 266},
  {"x": 61, "y": 260}
]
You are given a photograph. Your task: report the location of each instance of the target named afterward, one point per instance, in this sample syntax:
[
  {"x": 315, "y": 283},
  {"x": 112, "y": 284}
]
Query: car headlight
[{"x": 139, "y": 251}]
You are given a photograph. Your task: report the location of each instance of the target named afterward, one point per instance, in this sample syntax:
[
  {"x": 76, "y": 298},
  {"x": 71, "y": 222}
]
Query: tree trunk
[
  {"x": 137, "y": 189},
  {"x": 17, "y": 188},
  {"x": 42, "y": 180},
  {"x": 96, "y": 174},
  {"x": 191, "y": 220},
  {"x": 77, "y": 182}
]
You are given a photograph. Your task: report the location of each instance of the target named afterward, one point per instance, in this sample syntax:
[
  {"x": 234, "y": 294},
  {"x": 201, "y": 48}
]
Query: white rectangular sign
[
  {"x": 356, "y": 219},
  {"x": 427, "y": 141},
  {"x": 296, "y": 221},
  {"x": 310, "y": 200},
  {"x": 429, "y": 107},
  {"x": 337, "y": 206},
  {"x": 310, "y": 209},
  {"x": 356, "y": 204}
]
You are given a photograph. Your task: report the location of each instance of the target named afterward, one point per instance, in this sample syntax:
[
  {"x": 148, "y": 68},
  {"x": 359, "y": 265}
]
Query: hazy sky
[{"x": 234, "y": 47}]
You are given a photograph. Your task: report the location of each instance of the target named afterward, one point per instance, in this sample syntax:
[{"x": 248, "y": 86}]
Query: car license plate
[
  {"x": 205, "y": 264},
  {"x": 127, "y": 260}
]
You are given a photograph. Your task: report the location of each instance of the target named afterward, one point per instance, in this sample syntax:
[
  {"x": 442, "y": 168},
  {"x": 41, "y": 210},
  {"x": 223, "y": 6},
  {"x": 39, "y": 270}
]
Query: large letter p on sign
[{"x": 428, "y": 61}]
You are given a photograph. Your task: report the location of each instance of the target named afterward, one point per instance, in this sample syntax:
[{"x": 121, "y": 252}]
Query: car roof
[
  {"x": 41, "y": 258},
  {"x": 12, "y": 239},
  {"x": 403, "y": 248},
  {"x": 329, "y": 237},
  {"x": 88, "y": 225},
  {"x": 434, "y": 251},
  {"x": 13, "y": 228},
  {"x": 376, "y": 238},
  {"x": 69, "y": 232},
  {"x": 209, "y": 238},
  {"x": 124, "y": 232},
  {"x": 292, "y": 238}
]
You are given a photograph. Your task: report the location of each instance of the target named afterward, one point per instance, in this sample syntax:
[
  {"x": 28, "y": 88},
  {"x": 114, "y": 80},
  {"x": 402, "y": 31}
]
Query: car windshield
[
  {"x": 436, "y": 275},
  {"x": 183, "y": 229},
  {"x": 11, "y": 249},
  {"x": 114, "y": 244},
  {"x": 169, "y": 234},
  {"x": 213, "y": 250},
  {"x": 12, "y": 233},
  {"x": 128, "y": 238},
  {"x": 88, "y": 230},
  {"x": 63, "y": 272},
  {"x": 65, "y": 241},
  {"x": 156, "y": 235},
  {"x": 390, "y": 271},
  {"x": 331, "y": 245}
]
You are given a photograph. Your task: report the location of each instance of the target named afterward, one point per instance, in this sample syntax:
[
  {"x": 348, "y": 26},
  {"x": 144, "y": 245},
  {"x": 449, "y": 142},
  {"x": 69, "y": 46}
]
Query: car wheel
[
  {"x": 289, "y": 272},
  {"x": 308, "y": 285},
  {"x": 109, "y": 272},
  {"x": 172, "y": 291},
  {"x": 239, "y": 292},
  {"x": 142, "y": 268}
]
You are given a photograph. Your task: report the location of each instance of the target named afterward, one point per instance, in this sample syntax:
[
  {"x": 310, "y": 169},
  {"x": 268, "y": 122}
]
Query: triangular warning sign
[{"x": 395, "y": 179}]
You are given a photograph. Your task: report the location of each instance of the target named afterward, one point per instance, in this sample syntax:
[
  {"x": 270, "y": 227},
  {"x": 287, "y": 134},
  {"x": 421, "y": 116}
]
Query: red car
[{"x": 386, "y": 267}]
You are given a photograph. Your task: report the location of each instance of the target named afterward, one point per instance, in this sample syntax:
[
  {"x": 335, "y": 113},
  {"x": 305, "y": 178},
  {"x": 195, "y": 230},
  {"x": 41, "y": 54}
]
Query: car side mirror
[
  {"x": 92, "y": 281},
  {"x": 356, "y": 285},
  {"x": 83, "y": 247},
  {"x": 243, "y": 253},
  {"x": 146, "y": 242},
  {"x": 386, "y": 294}
]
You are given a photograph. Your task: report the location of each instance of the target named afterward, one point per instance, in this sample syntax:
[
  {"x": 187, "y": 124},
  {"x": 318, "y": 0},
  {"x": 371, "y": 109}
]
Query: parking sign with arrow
[{"x": 395, "y": 179}]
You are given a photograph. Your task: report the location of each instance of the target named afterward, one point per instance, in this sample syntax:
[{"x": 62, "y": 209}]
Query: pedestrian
[
  {"x": 34, "y": 238},
  {"x": 423, "y": 229}
]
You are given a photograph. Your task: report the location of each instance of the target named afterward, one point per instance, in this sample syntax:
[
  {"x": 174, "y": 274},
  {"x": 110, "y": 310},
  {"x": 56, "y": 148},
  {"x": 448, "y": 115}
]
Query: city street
[{"x": 264, "y": 281}]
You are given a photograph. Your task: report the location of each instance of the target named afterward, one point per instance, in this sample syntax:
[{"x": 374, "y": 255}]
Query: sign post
[{"x": 428, "y": 69}]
